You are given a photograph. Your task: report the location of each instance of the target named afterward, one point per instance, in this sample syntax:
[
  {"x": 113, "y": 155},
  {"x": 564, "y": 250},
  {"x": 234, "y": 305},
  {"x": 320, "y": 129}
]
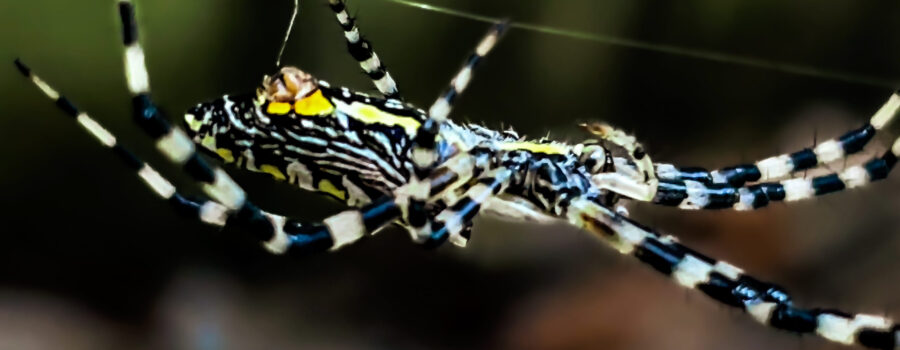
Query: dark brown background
[{"x": 89, "y": 259}]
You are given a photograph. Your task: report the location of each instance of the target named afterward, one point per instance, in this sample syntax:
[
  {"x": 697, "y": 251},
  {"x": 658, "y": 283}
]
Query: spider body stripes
[
  {"x": 356, "y": 147},
  {"x": 394, "y": 163}
]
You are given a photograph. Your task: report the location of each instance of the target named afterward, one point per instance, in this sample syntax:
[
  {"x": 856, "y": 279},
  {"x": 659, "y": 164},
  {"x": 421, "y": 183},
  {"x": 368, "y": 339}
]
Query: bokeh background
[{"x": 90, "y": 259}]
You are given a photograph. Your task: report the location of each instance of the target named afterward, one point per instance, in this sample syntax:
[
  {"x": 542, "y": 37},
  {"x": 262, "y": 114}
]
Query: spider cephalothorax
[
  {"x": 394, "y": 163},
  {"x": 290, "y": 84}
]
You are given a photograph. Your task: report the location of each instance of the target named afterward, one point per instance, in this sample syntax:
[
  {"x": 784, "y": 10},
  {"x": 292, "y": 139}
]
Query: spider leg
[
  {"x": 636, "y": 153},
  {"x": 351, "y": 225},
  {"x": 427, "y": 233},
  {"x": 693, "y": 194},
  {"x": 688, "y": 194},
  {"x": 625, "y": 185},
  {"x": 362, "y": 51},
  {"x": 780, "y": 167},
  {"x": 264, "y": 226},
  {"x": 175, "y": 144},
  {"x": 455, "y": 222},
  {"x": 698, "y": 189},
  {"x": 207, "y": 211},
  {"x": 217, "y": 184},
  {"x": 765, "y": 302},
  {"x": 635, "y": 176},
  {"x": 423, "y": 153},
  {"x": 277, "y": 233},
  {"x": 170, "y": 140}
]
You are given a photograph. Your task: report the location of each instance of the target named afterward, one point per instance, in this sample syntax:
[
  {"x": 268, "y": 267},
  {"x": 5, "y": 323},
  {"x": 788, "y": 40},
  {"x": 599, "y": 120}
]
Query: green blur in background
[{"x": 90, "y": 259}]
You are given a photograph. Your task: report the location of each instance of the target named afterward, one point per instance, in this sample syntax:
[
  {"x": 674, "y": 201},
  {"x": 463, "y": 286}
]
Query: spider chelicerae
[{"x": 402, "y": 165}]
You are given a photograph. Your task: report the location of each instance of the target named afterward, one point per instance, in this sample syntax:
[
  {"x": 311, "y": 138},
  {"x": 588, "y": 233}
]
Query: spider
[{"x": 394, "y": 163}]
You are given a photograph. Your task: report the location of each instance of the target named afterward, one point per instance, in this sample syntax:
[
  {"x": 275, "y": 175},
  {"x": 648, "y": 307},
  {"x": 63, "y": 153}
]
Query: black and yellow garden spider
[{"x": 394, "y": 163}]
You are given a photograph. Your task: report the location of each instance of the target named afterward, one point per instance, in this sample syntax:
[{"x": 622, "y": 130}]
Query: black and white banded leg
[
  {"x": 455, "y": 222},
  {"x": 171, "y": 140},
  {"x": 689, "y": 194},
  {"x": 353, "y": 224},
  {"x": 264, "y": 226},
  {"x": 417, "y": 196},
  {"x": 341, "y": 229},
  {"x": 179, "y": 148},
  {"x": 425, "y": 142},
  {"x": 277, "y": 233},
  {"x": 782, "y": 166},
  {"x": 727, "y": 284},
  {"x": 362, "y": 52}
]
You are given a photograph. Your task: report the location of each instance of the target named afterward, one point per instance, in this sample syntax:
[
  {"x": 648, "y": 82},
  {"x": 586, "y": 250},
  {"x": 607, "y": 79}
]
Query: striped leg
[
  {"x": 336, "y": 231},
  {"x": 765, "y": 302},
  {"x": 362, "y": 51},
  {"x": 353, "y": 224},
  {"x": 423, "y": 153},
  {"x": 263, "y": 225},
  {"x": 350, "y": 225},
  {"x": 170, "y": 140},
  {"x": 689, "y": 194},
  {"x": 779, "y": 167},
  {"x": 625, "y": 185},
  {"x": 455, "y": 221},
  {"x": 209, "y": 212},
  {"x": 278, "y": 234},
  {"x": 176, "y": 145}
]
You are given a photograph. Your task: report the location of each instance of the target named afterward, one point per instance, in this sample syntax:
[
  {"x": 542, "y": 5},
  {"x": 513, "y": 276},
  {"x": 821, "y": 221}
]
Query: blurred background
[{"x": 90, "y": 259}]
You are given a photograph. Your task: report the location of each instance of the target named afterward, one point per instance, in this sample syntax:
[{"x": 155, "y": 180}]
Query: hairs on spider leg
[{"x": 815, "y": 142}]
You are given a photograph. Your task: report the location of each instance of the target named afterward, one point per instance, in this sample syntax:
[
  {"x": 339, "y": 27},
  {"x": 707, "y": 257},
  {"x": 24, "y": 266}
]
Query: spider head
[{"x": 288, "y": 85}]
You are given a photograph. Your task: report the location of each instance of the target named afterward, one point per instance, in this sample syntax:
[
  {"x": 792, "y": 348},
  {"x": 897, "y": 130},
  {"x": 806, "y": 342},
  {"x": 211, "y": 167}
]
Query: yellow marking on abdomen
[
  {"x": 328, "y": 187},
  {"x": 192, "y": 122},
  {"x": 225, "y": 154},
  {"x": 314, "y": 104},
  {"x": 534, "y": 147},
  {"x": 209, "y": 142},
  {"x": 278, "y": 108},
  {"x": 369, "y": 114},
  {"x": 274, "y": 171}
]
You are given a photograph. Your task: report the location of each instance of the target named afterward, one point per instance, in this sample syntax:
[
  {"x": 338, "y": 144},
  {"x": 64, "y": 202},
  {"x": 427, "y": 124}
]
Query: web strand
[
  {"x": 789, "y": 68},
  {"x": 287, "y": 35}
]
